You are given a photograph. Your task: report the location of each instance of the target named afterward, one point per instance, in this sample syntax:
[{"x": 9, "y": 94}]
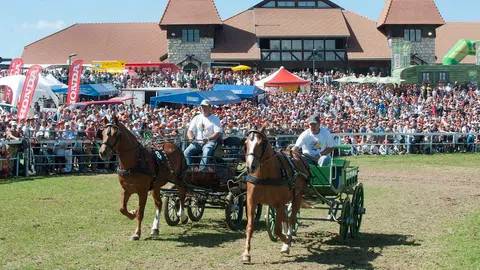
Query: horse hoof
[
  {"x": 135, "y": 238},
  {"x": 185, "y": 220},
  {"x": 285, "y": 249},
  {"x": 246, "y": 259},
  {"x": 155, "y": 232}
]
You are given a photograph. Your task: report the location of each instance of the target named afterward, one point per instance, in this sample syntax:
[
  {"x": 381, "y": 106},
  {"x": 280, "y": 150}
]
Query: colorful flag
[
  {"x": 14, "y": 69},
  {"x": 74, "y": 81},
  {"x": 28, "y": 91}
]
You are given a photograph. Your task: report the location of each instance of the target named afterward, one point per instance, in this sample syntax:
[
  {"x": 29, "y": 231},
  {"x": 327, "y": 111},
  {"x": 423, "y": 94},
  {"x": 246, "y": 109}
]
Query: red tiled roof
[
  {"x": 365, "y": 42},
  {"x": 410, "y": 12},
  {"x": 184, "y": 12},
  {"x": 132, "y": 42},
  {"x": 449, "y": 34},
  {"x": 236, "y": 40},
  {"x": 280, "y": 22}
]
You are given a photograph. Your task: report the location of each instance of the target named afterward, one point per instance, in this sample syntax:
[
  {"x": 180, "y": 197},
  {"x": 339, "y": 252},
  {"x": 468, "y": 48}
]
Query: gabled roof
[
  {"x": 449, "y": 34},
  {"x": 186, "y": 12},
  {"x": 131, "y": 42},
  {"x": 236, "y": 40},
  {"x": 286, "y": 22},
  {"x": 365, "y": 42},
  {"x": 410, "y": 12}
]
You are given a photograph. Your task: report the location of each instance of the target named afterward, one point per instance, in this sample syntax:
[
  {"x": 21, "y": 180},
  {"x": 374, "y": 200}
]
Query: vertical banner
[
  {"x": 14, "y": 69},
  {"x": 28, "y": 90},
  {"x": 401, "y": 51},
  {"x": 74, "y": 80}
]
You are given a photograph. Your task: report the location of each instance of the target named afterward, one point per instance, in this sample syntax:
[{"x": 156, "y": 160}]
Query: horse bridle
[
  {"x": 118, "y": 136},
  {"x": 264, "y": 143}
]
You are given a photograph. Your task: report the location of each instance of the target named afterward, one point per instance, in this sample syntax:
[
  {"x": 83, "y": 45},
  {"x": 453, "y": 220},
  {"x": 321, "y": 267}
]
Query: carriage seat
[
  {"x": 228, "y": 150},
  {"x": 321, "y": 174}
]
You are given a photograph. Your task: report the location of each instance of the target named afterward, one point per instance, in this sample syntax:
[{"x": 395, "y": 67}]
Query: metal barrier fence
[{"x": 47, "y": 156}]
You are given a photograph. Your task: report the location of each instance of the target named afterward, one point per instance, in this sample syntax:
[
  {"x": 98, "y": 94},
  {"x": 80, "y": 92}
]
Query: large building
[{"x": 296, "y": 34}]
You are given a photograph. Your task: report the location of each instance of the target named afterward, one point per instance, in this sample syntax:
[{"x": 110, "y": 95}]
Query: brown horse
[
  {"x": 139, "y": 173},
  {"x": 274, "y": 178}
]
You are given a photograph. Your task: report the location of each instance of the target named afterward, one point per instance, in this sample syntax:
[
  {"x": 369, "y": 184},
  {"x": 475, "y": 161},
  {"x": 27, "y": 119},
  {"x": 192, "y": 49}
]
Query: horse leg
[
  {"x": 251, "y": 206},
  {"x": 280, "y": 220},
  {"x": 293, "y": 217},
  {"x": 158, "y": 204},
  {"x": 142, "y": 200},
  {"x": 125, "y": 196},
  {"x": 181, "y": 212}
]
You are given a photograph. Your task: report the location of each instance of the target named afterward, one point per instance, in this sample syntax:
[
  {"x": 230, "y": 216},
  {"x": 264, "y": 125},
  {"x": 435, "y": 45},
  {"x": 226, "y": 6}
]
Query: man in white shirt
[
  {"x": 204, "y": 130},
  {"x": 316, "y": 142}
]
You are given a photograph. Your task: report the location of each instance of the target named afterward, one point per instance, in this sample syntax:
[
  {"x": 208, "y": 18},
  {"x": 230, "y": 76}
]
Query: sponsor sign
[
  {"x": 74, "y": 81},
  {"x": 14, "y": 69},
  {"x": 108, "y": 64},
  {"x": 28, "y": 90}
]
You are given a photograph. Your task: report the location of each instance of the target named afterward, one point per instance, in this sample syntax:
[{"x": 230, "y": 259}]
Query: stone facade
[
  {"x": 178, "y": 50},
  {"x": 424, "y": 49}
]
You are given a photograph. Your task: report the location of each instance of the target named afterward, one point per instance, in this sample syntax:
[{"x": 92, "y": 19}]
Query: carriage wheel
[
  {"x": 234, "y": 212},
  {"x": 172, "y": 205},
  {"x": 258, "y": 212},
  {"x": 196, "y": 209},
  {"x": 345, "y": 220},
  {"x": 270, "y": 222},
  {"x": 358, "y": 211}
]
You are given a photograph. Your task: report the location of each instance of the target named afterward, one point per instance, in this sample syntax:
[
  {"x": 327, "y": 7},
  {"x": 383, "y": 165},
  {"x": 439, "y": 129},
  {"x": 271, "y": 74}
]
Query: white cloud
[{"x": 45, "y": 25}]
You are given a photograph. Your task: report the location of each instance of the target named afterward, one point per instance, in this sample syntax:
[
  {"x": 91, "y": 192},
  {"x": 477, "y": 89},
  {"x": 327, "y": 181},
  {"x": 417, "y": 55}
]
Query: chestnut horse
[
  {"x": 274, "y": 178},
  {"x": 139, "y": 173}
]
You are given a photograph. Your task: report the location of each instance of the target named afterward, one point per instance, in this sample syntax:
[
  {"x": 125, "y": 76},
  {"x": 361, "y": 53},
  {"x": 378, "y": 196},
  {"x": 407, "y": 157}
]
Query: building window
[
  {"x": 274, "y": 44},
  {"x": 270, "y": 4},
  {"x": 286, "y": 44},
  {"x": 297, "y": 56},
  {"x": 191, "y": 35},
  {"x": 425, "y": 76},
  {"x": 329, "y": 44},
  {"x": 296, "y": 45},
  {"x": 412, "y": 35},
  {"x": 286, "y": 56},
  {"x": 306, "y": 4},
  {"x": 275, "y": 56},
  {"x": 318, "y": 44},
  {"x": 330, "y": 56},
  {"x": 443, "y": 76},
  {"x": 319, "y": 56},
  {"x": 308, "y": 45},
  {"x": 286, "y": 4},
  {"x": 322, "y": 4}
]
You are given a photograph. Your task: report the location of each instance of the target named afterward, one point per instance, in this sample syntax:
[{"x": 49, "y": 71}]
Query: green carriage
[{"x": 337, "y": 187}]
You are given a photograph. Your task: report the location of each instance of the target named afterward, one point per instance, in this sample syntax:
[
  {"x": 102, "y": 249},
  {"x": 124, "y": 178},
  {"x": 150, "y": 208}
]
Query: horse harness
[
  {"x": 159, "y": 156},
  {"x": 285, "y": 180}
]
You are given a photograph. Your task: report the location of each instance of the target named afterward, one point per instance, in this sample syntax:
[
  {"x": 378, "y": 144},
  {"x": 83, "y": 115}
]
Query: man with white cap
[
  {"x": 203, "y": 132},
  {"x": 316, "y": 142}
]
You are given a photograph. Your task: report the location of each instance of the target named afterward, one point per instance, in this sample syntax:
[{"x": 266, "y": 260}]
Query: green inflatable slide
[{"x": 463, "y": 48}]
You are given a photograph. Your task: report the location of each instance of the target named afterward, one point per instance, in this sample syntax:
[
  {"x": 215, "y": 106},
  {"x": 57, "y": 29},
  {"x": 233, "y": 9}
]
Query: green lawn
[{"x": 74, "y": 222}]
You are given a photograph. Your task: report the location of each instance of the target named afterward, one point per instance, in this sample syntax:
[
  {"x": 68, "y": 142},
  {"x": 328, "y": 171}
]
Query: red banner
[
  {"x": 14, "y": 69},
  {"x": 74, "y": 80},
  {"x": 28, "y": 90}
]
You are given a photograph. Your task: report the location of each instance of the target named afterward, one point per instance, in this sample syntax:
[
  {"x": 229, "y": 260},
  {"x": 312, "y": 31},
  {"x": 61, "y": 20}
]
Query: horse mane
[{"x": 126, "y": 131}]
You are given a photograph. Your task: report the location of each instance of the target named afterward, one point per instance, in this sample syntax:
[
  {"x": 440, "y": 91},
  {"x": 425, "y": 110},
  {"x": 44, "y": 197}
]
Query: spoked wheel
[
  {"x": 357, "y": 211},
  {"x": 172, "y": 205},
  {"x": 258, "y": 212},
  {"x": 196, "y": 209},
  {"x": 345, "y": 220},
  {"x": 234, "y": 211},
  {"x": 270, "y": 221}
]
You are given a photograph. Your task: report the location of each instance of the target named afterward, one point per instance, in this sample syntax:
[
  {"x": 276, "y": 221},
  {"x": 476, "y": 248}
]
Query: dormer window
[
  {"x": 286, "y": 3},
  {"x": 306, "y": 4},
  {"x": 190, "y": 35},
  {"x": 270, "y": 4}
]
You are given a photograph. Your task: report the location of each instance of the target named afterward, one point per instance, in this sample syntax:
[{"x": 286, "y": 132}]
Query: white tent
[
  {"x": 261, "y": 84},
  {"x": 53, "y": 82},
  {"x": 43, "y": 90}
]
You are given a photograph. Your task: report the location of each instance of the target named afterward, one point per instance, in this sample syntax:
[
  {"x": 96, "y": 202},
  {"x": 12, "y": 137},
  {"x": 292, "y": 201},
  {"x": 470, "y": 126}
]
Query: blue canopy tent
[
  {"x": 104, "y": 89},
  {"x": 196, "y": 97},
  {"x": 243, "y": 91}
]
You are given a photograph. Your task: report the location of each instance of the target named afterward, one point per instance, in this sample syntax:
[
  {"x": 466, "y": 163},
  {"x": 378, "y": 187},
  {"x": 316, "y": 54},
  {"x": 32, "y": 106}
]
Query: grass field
[{"x": 423, "y": 212}]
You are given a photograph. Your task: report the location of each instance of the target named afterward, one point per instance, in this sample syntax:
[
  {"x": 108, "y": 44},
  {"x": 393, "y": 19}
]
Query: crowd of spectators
[{"x": 351, "y": 108}]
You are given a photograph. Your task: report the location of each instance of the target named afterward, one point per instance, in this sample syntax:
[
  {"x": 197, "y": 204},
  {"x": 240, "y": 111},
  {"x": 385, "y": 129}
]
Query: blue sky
[{"x": 40, "y": 18}]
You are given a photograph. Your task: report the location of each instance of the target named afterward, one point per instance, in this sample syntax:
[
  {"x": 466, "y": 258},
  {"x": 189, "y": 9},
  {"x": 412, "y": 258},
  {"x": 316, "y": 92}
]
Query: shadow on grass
[{"x": 356, "y": 253}]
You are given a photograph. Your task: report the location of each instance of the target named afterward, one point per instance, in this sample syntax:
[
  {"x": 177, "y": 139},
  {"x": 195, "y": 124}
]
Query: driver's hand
[{"x": 205, "y": 140}]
